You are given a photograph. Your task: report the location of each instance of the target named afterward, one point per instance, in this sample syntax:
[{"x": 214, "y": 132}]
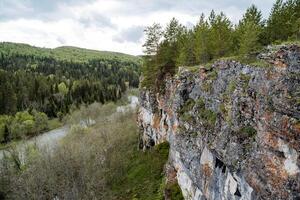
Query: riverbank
[
  {"x": 101, "y": 161},
  {"x": 52, "y": 125},
  {"x": 77, "y": 121}
]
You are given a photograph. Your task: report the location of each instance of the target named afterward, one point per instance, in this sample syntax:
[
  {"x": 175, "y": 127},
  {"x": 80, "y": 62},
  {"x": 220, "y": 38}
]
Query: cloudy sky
[{"x": 113, "y": 25}]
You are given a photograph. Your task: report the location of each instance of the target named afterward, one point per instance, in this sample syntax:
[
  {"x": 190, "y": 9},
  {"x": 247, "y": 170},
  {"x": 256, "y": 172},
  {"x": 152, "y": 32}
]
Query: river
[{"x": 51, "y": 138}]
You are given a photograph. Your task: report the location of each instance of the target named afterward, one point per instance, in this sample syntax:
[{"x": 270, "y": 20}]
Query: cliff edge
[{"x": 233, "y": 129}]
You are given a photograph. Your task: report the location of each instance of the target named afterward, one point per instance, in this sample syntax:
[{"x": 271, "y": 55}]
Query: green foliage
[
  {"x": 206, "y": 86},
  {"x": 245, "y": 81},
  {"x": 221, "y": 34},
  {"x": 249, "y": 31},
  {"x": 216, "y": 37},
  {"x": 212, "y": 75},
  {"x": 202, "y": 49},
  {"x": 103, "y": 163},
  {"x": 54, "y": 123},
  {"x": 62, "y": 88},
  {"x": 187, "y": 106},
  {"x": 163, "y": 149},
  {"x": 32, "y": 79},
  {"x": 248, "y": 132},
  {"x": 249, "y": 42},
  {"x": 283, "y": 22},
  {"x": 186, "y": 55},
  {"x": 208, "y": 82},
  {"x": 174, "y": 191},
  {"x": 153, "y": 35},
  {"x": 223, "y": 109},
  {"x": 65, "y": 53},
  {"x": 24, "y": 124},
  {"x": 231, "y": 86},
  {"x": 208, "y": 117}
]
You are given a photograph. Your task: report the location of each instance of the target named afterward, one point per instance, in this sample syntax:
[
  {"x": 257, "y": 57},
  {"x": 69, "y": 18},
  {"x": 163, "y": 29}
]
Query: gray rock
[{"x": 234, "y": 132}]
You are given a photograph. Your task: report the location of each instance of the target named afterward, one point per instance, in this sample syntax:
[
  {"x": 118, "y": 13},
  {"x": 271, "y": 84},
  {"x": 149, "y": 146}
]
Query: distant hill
[
  {"x": 67, "y": 53},
  {"x": 55, "y": 80}
]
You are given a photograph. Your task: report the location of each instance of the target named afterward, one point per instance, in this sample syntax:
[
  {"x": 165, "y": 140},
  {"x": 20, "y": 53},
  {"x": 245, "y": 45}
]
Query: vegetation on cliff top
[{"x": 216, "y": 37}]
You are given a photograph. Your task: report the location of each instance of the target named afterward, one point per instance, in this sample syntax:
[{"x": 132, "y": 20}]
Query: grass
[
  {"x": 175, "y": 191},
  {"x": 231, "y": 86},
  {"x": 245, "y": 81},
  {"x": 54, "y": 124},
  {"x": 144, "y": 174},
  {"x": 208, "y": 117},
  {"x": 248, "y": 131},
  {"x": 289, "y": 42},
  {"x": 187, "y": 106}
]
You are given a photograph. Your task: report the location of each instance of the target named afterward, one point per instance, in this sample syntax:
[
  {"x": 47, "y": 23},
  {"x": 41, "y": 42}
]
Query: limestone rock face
[{"x": 233, "y": 129}]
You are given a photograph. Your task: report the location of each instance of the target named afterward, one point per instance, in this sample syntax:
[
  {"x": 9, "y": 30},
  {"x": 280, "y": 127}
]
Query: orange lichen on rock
[
  {"x": 156, "y": 121},
  {"x": 274, "y": 170},
  {"x": 271, "y": 140}
]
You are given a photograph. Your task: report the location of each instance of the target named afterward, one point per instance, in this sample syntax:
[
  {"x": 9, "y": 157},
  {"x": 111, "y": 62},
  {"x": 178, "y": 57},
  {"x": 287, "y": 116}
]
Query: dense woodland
[
  {"x": 36, "y": 80},
  {"x": 215, "y": 36}
]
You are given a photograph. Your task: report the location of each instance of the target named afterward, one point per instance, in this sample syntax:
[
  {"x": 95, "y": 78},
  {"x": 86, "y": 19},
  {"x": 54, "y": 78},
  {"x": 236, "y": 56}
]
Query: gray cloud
[
  {"x": 96, "y": 19},
  {"x": 105, "y": 24},
  {"x": 33, "y": 9},
  {"x": 192, "y": 7},
  {"x": 61, "y": 40},
  {"x": 132, "y": 34}
]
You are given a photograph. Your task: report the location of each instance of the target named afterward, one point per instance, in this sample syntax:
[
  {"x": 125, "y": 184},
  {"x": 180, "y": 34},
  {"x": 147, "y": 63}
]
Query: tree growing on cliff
[
  {"x": 186, "y": 49},
  {"x": 283, "y": 21},
  {"x": 221, "y": 34},
  {"x": 249, "y": 31},
  {"x": 249, "y": 41},
  {"x": 153, "y": 37},
  {"x": 170, "y": 47},
  {"x": 202, "y": 48}
]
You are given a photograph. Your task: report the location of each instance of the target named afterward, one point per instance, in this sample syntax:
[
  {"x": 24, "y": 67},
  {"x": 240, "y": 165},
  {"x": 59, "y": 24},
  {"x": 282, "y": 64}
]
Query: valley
[{"x": 149, "y": 100}]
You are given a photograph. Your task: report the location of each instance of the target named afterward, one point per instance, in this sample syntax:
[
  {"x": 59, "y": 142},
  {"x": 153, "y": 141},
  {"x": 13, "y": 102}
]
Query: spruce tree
[
  {"x": 202, "y": 48},
  {"x": 249, "y": 31},
  {"x": 221, "y": 35}
]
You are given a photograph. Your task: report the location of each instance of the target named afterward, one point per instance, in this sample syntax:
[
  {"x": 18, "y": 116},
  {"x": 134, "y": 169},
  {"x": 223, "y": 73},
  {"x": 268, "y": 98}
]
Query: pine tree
[
  {"x": 173, "y": 31},
  {"x": 202, "y": 49},
  {"x": 252, "y": 15},
  {"x": 249, "y": 42},
  {"x": 153, "y": 36},
  {"x": 186, "y": 49},
  {"x": 249, "y": 31},
  {"x": 221, "y": 35},
  {"x": 283, "y": 21},
  {"x": 170, "y": 47}
]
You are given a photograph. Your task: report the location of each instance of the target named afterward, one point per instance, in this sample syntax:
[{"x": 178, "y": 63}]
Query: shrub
[
  {"x": 207, "y": 116},
  {"x": 174, "y": 191},
  {"x": 104, "y": 164},
  {"x": 187, "y": 106},
  {"x": 248, "y": 131}
]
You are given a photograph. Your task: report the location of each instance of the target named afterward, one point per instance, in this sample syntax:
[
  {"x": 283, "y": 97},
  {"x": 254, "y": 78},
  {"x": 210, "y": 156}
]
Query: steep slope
[{"x": 233, "y": 129}]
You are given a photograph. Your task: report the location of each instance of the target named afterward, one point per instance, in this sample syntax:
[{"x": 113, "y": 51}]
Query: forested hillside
[
  {"x": 52, "y": 81},
  {"x": 215, "y": 37}
]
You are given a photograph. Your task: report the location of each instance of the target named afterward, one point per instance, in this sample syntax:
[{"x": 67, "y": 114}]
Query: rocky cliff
[{"x": 233, "y": 129}]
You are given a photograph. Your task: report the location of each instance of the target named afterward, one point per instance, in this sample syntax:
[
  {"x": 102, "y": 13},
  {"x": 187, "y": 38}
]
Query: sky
[{"x": 111, "y": 25}]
